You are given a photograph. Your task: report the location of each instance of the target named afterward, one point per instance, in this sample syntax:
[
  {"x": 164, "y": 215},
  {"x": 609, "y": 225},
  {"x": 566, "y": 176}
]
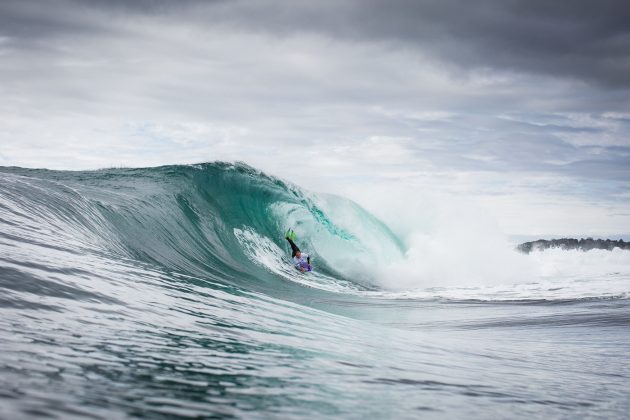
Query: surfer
[{"x": 301, "y": 261}]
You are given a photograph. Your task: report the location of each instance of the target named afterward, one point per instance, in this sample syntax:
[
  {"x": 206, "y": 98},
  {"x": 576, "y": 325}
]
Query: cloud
[
  {"x": 578, "y": 39},
  {"x": 486, "y": 98}
]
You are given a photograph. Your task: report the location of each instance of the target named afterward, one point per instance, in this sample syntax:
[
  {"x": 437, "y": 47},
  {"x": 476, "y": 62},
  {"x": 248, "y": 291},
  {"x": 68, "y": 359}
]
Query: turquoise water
[{"x": 167, "y": 292}]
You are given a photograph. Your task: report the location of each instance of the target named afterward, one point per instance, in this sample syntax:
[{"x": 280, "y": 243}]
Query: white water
[{"x": 450, "y": 249}]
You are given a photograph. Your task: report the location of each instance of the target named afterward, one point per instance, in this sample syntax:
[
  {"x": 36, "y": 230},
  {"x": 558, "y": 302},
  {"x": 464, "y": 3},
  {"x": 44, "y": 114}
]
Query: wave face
[{"x": 169, "y": 292}]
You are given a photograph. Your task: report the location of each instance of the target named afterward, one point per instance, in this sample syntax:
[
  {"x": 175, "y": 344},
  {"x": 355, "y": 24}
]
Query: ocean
[{"x": 168, "y": 293}]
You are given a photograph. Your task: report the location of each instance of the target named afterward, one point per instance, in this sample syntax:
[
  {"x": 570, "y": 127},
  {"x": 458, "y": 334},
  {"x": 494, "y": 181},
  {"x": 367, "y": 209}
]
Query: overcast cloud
[{"x": 517, "y": 104}]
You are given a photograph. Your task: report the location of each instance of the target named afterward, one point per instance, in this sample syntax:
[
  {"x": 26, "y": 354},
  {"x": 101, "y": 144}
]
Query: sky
[{"x": 521, "y": 107}]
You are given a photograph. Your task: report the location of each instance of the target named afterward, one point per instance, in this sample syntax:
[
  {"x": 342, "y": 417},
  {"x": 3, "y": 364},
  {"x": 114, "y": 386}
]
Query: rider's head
[{"x": 298, "y": 254}]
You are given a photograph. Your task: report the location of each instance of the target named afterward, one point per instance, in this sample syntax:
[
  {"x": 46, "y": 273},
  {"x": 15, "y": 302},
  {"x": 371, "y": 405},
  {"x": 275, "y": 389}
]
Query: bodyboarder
[{"x": 301, "y": 261}]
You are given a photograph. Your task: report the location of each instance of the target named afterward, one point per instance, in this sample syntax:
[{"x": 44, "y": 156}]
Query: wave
[{"x": 224, "y": 222}]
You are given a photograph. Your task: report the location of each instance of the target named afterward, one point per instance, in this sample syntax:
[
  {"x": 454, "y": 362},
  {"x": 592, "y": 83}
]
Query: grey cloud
[
  {"x": 581, "y": 39},
  {"x": 517, "y": 145},
  {"x": 29, "y": 22}
]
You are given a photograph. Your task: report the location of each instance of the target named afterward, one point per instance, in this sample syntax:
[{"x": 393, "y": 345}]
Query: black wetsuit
[{"x": 295, "y": 249}]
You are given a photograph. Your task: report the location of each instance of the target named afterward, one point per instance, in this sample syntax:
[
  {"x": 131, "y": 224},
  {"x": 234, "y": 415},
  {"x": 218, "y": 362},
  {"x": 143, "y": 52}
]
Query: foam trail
[{"x": 264, "y": 252}]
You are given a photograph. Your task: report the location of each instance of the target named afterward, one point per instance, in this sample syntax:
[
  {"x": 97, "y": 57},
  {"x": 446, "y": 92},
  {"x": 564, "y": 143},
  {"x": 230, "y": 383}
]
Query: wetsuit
[{"x": 304, "y": 261}]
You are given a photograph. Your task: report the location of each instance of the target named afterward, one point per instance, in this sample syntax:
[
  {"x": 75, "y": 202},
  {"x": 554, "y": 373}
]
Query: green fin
[{"x": 290, "y": 234}]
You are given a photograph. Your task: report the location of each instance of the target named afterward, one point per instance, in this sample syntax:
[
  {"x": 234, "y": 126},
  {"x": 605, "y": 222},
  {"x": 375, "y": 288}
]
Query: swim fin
[{"x": 290, "y": 235}]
